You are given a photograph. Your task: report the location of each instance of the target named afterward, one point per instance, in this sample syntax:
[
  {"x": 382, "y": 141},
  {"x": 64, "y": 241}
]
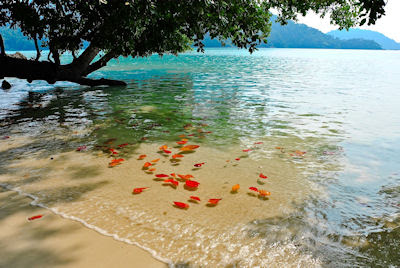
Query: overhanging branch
[
  {"x": 100, "y": 63},
  {"x": 50, "y": 72}
]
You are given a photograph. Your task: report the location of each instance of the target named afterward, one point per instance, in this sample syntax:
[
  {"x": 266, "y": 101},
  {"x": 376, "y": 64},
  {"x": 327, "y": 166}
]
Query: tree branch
[
  {"x": 50, "y": 72},
  {"x": 100, "y": 63},
  {"x": 87, "y": 56}
]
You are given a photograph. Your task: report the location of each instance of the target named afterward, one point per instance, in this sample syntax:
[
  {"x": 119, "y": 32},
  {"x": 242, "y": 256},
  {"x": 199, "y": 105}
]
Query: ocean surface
[{"x": 322, "y": 125}]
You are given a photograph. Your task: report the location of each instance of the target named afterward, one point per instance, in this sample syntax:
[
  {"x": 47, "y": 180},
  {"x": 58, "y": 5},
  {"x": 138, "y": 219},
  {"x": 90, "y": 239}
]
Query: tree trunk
[
  {"x": 50, "y": 72},
  {"x": 2, "y": 50}
]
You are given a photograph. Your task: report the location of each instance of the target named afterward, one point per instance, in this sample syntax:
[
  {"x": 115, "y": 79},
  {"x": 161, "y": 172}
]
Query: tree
[{"x": 139, "y": 28}]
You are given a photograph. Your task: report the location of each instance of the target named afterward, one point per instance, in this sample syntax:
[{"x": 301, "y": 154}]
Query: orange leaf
[
  {"x": 155, "y": 160},
  {"x": 147, "y": 164},
  {"x": 235, "y": 187},
  {"x": 214, "y": 201},
  {"x": 185, "y": 177},
  {"x": 164, "y": 147},
  {"x": 174, "y": 182},
  {"x": 264, "y": 193},
  {"x": 189, "y": 147}
]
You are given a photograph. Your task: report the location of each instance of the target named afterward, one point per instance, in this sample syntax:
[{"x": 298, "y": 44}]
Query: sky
[{"x": 389, "y": 25}]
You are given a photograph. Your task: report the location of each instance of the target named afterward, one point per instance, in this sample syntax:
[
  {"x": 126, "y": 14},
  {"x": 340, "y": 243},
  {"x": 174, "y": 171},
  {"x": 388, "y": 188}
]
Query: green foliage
[{"x": 143, "y": 27}]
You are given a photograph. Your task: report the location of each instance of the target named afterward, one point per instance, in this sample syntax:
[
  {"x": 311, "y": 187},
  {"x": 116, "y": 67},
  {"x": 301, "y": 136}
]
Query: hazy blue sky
[{"x": 389, "y": 25}]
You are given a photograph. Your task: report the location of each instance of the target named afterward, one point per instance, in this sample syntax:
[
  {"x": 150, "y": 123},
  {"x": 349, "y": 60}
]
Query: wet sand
[
  {"x": 53, "y": 241},
  {"x": 82, "y": 186}
]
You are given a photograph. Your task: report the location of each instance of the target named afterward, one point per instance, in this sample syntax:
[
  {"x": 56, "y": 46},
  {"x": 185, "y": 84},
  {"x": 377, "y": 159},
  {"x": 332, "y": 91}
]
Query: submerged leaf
[
  {"x": 235, "y": 187},
  {"x": 181, "y": 205}
]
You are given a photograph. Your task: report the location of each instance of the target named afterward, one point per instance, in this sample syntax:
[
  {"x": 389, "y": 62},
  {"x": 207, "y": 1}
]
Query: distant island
[
  {"x": 295, "y": 35},
  {"x": 292, "y": 35},
  {"x": 382, "y": 40}
]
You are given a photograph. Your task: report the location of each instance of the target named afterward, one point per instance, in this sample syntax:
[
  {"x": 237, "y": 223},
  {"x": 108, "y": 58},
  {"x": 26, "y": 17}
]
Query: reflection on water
[{"x": 340, "y": 203}]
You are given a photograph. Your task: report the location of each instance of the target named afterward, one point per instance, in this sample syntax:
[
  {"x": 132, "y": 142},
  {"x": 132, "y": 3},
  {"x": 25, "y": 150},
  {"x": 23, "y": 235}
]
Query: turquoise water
[{"x": 341, "y": 106}]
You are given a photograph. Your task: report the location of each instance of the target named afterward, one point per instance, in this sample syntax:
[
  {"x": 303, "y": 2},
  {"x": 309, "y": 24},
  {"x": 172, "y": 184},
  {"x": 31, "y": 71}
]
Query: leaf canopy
[{"x": 143, "y": 27}]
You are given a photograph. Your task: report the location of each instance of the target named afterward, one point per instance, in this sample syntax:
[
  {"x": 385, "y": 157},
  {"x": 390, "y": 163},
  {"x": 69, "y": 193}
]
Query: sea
[{"x": 312, "y": 138}]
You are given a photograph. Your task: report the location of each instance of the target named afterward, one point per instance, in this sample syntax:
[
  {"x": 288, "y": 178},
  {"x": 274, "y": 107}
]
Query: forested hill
[
  {"x": 384, "y": 41},
  {"x": 15, "y": 40},
  {"x": 292, "y": 35}
]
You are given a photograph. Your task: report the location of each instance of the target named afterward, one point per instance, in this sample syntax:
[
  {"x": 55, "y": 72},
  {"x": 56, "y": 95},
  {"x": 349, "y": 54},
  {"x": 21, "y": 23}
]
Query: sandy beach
[{"x": 53, "y": 241}]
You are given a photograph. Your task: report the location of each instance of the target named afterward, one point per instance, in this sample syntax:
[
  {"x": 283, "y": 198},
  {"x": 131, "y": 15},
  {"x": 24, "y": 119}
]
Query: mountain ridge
[
  {"x": 384, "y": 41},
  {"x": 296, "y": 35},
  {"x": 292, "y": 35}
]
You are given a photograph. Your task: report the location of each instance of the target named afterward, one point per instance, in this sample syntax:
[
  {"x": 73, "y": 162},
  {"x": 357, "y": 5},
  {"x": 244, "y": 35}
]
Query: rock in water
[
  {"x": 5, "y": 85},
  {"x": 17, "y": 55}
]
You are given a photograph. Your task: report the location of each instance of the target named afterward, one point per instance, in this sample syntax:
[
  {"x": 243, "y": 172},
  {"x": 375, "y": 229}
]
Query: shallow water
[{"x": 337, "y": 205}]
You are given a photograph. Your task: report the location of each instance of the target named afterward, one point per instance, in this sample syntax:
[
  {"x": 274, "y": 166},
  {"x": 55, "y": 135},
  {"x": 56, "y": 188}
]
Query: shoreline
[{"x": 55, "y": 241}]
